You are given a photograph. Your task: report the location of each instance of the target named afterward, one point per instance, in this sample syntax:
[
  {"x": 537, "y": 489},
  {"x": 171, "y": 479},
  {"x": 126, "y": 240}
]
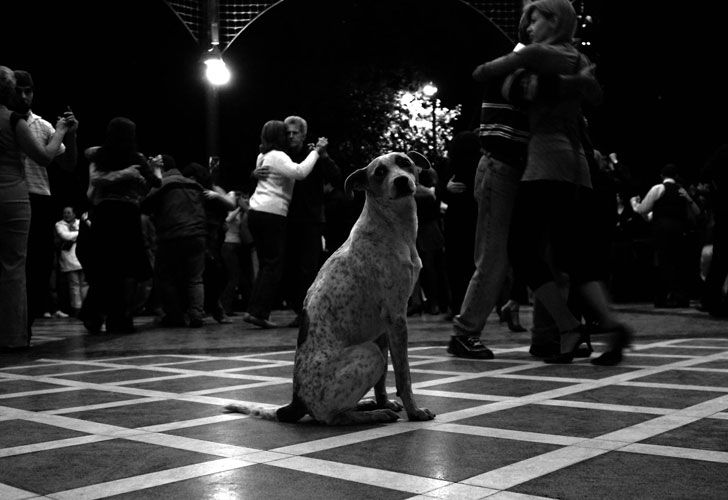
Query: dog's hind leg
[
  {"x": 292, "y": 412},
  {"x": 345, "y": 379},
  {"x": 380, "y": 401}
]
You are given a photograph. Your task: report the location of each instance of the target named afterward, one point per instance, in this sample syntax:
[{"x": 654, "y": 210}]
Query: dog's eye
[{"x": 380, "y": 171}]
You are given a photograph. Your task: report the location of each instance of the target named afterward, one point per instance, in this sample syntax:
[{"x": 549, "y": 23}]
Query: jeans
[
  {"x": 269, "y": 233},
  {"x": 180, "y": 264},
  {"x": 496, "y": 184},
  {"x": 14, "y": 226}
]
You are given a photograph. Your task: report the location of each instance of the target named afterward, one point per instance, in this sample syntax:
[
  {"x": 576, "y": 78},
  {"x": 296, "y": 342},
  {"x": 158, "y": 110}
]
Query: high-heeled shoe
[
  {"x": 621, "y": 339},
  {"x": 509, "y": 314},
  {"x": 564, "y": 358},
  {"x": 514, "y": 323}
]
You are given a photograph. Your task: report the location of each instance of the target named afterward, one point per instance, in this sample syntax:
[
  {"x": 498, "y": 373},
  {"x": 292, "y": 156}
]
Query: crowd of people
[{"x": 524, "y": 209}]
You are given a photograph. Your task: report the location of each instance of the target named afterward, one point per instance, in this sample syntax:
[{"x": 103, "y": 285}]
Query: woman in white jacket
[
  {"x": 268, "y": 215},
  {"x": 69, "y": 266}
]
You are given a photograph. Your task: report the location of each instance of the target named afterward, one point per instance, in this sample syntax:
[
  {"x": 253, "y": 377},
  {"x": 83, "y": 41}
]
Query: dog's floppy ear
[
  {"x": 419, "y": 159},
  {"x": 357, "y": 181}
]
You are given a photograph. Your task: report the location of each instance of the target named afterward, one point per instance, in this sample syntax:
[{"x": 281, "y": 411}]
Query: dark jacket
[{"x": 177, "y": 207}]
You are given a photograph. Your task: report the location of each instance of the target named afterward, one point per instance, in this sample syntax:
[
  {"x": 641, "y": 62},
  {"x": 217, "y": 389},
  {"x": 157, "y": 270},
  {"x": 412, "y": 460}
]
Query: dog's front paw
[
  {"x": 393, "y": 405},
  {"x": 420, "y": 414}
]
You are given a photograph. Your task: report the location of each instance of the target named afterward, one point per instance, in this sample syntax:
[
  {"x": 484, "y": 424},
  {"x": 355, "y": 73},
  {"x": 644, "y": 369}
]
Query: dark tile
[
  {"x": 24, "y": 365},
  {"x": 211, "y": 365},
  {"x": 189, "y": 384},
  {"x": 277, "y": 356},
  {"x": 636, "y": 359},
  {"x": 145, "y": 414},
  {"x": 440, "y": 405},
  {"x": 721, "y": 364},
  {"x": 465, "y": 365},
  {"x": 439, "y": 455},
  {"x": 279, "y": 394},
  {"x": 150, "y": 360},
  {"x": 705, "y": 434},
  {"x": 271, "y": 371},
  {"x": 24, "y": 432},
  {"x": 681, "y": 350},
  {"x": 516, "y": 356},
  {"x": 416, "y": 377},
  {"x": 632, "y": 475},
  {"x": 66, "y": 399},
  {"x": 643, "y": 396},
  {"x": 14, "y": 386},
  {"x": 499, "y": 386},
  {"x": 52, "y": 369},
  {"x": 119, "y": 375},
  {"x": 77, "y": 466},
  {"x": 264, "y": 434},
  {"x": 265, "y": 482},
  {"x": 684, "y": 377},
  {"x": 576, "y": 370},
  {"x": 430, "y": 351},
  {"x": 564, "y": 421}
]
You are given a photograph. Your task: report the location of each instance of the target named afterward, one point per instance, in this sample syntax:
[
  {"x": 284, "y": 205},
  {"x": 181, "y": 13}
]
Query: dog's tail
[{"x": 260, "y": 411}]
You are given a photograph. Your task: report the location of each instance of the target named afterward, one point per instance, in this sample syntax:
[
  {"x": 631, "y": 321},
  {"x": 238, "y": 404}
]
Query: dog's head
[{"x": 390, "y": 176}]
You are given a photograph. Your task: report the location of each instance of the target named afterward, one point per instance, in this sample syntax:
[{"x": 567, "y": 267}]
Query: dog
[{"x": 355, "y": 312}]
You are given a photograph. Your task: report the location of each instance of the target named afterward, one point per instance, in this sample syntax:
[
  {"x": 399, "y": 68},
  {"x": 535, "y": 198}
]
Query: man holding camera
[{"x": 41, "y": 238}]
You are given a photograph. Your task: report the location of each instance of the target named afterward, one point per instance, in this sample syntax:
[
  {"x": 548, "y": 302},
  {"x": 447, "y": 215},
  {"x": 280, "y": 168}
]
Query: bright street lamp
[
  {"x": 430, "y": 90},
  {"x": 216, "y": 71}
]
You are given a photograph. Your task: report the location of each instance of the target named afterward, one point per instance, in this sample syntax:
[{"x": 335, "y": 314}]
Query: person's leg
[
  {"x": 496, "y": 184},
  {"x": 542, "y": 209},
  {"x": 714, "y": 296},
  {"x": 231, "y": 258},
  {"x": 166, "y": 271},
  {"x": 73, "y": 278},
  {"x": 15, "y": 214},
  {"x": 194, "y": 269},
  {"x": 41, "y": 252},
  {"x": 269, "y": 232},
  {"x": 303, "y": 257}
]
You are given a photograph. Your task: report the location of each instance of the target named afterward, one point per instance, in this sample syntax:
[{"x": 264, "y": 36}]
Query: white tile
[
  {"x": 459, "y": 491},
  {"x": 494, "y": 432},
  {"x": 526, "y": 470},
  {"x": 190, "y": 444},
  {"x": 170, "y": 426},
  {"x": 512, "y": 495},
  {"x": 136, "y": 483},
  {"x": 359, "y": 474},
  {"x": 7, "y": 492},
  {"x": 51, "y": 445},
  {"x": 673, "y": 451}
]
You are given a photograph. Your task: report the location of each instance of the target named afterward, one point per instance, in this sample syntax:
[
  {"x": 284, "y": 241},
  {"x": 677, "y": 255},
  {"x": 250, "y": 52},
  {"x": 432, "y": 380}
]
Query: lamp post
[
  {"x": 430, "y": 90},
  {"x": 217, "y": 74}
]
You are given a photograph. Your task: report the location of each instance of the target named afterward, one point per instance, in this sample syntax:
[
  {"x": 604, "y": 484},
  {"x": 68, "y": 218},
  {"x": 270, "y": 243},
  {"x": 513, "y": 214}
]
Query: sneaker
[
  {"x": 468, "y": 347},
  {"x": 47, "y": 315},
  {"x": 263, "y": 323},
  {"x": 60, "y": 314}
]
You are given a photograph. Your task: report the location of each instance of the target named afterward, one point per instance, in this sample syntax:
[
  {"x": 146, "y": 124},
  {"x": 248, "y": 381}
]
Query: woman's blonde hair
[
  {"x": 560, "y": 10},
  {"x": 7, "y": 85}
]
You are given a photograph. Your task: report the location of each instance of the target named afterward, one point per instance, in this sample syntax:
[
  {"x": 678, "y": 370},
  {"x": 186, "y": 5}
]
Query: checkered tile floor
[{"x": 511, "y": 428}]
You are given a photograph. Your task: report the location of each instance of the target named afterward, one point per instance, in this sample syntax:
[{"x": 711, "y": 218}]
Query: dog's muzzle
[{"x": 403, "y": 186}]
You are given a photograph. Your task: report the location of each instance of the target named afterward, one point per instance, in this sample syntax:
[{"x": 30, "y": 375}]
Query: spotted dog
[{"x": 355, "y": 312}]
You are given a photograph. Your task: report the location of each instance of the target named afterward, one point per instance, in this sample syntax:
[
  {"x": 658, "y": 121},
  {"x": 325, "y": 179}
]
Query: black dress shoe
[
  {"x": 622, "y": 338},
  {"x": 567, "y": 357}
]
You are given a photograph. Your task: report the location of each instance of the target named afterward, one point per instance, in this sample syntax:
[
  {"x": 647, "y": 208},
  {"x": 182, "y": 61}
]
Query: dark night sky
[{"x": 664, "y": 96}]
